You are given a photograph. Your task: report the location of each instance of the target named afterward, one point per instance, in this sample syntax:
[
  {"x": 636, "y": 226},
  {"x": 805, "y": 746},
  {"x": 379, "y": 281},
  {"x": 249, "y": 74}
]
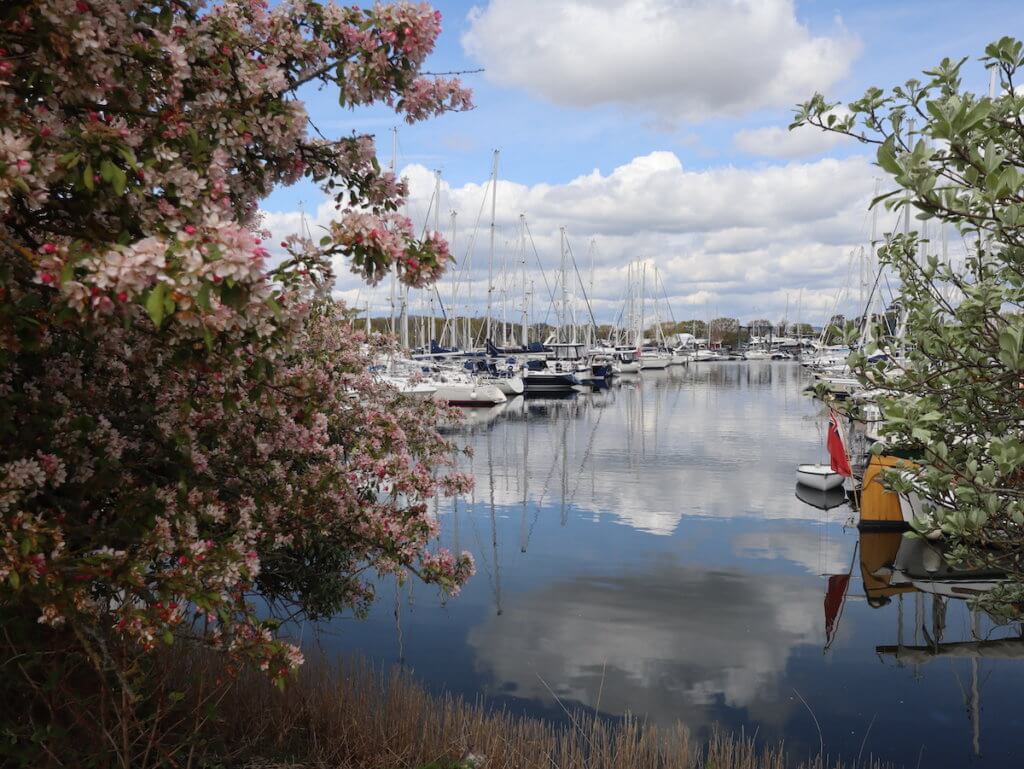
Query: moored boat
[{"x": 821, "y": 477}]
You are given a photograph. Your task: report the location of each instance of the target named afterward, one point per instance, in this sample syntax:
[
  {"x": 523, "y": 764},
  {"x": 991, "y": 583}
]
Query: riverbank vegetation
[{"x": 356, "y": 717}]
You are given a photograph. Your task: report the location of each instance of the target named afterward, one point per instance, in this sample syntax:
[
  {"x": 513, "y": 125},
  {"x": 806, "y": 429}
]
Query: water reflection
[
  {"x": 640, "y": 549},
  {"x": 630, "y": 637},
  {"x": 651, "y": 449},
  {"x": 925, "y": 582}
]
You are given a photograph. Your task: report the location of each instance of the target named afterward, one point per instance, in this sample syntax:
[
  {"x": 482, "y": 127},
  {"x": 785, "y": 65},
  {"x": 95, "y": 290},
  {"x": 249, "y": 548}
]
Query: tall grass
[{"x": 354, "y": 717}]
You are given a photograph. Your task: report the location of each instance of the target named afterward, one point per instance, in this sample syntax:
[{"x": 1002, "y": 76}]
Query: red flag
[
  {"x": 836, "y": 447},
  {"x": 837, "y": 585}
]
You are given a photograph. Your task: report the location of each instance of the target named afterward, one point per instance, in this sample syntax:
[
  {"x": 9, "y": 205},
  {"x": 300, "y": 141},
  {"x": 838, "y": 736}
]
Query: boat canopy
[{"x": 567, "y": 351}]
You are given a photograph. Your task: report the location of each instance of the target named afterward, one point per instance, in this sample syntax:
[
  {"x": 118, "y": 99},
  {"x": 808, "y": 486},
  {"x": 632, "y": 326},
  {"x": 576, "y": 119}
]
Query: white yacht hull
[
  {"x": 407, "y": 387},
  {"x": 466, "y": 394},
  {"x": 511, "y": 386},
  {"x": 707, "y": 356},
  {"x": 654, "y": 363}
]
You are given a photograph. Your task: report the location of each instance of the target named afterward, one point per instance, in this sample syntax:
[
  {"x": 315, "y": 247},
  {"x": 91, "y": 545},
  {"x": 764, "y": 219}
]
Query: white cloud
[
  {"x": 736, "y": 241},
  {"x": 778, "y": 142},
  {"x": 679, "y": 59}
]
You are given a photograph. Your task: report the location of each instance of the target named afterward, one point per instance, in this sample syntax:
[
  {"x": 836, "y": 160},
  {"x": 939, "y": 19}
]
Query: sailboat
[{"x": 458, "y": 388}]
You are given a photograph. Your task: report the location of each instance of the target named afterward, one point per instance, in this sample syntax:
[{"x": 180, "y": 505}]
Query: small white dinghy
[{"x": 821, "y": 477}]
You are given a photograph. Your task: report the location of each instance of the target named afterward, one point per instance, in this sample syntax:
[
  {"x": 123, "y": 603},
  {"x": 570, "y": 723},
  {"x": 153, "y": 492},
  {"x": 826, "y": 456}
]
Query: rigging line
[
  {"x": 665, "y": 293},
  {"x": 435, "y": 200},
  {"x": 463, "y": 267},
  {"x": 586, "y": 299},
  {"x": 871, "y": 296},
  {"x": 454, "y": 72},
  {"x": 536, "y": 254}
]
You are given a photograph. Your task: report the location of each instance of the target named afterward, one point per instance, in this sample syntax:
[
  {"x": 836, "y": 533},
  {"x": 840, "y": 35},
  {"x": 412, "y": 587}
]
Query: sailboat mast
[
  {"x": 565, "y": 289},
  {"x": 643, "y": 296},
  {"x": 592, "y": 329},
  {"x": 504, "y": 296},
  {"x": 526, "y": 301},
  {"x": 490, "y": 263},
  {"x": 437, "y": 229}
]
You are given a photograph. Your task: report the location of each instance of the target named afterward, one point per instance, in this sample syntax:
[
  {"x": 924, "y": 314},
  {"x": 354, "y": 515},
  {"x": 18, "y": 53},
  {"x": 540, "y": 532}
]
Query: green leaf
[
  {"x": 155, "y": 304},
  {"x": 14, "y": 579},
  {"x": 120, "y": 180},
  {"x": 887, "y": 158},
  {"x": 168, "y": 637},
  {"x": 203, "y": 297},
  {"x": 978, "y": 112},
  {"x": 208, "y": 338},
  {"x": 87, "y": 179},
  {"x": 129, "y": 156},
  {"x": 274, "y": 307}
]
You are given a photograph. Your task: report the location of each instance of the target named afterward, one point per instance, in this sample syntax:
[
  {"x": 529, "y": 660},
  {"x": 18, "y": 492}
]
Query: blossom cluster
[{"x": 184, "y": 422}]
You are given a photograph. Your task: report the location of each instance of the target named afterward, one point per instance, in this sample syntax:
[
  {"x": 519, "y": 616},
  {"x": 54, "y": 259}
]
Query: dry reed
[{"x": 354, "y": 717}]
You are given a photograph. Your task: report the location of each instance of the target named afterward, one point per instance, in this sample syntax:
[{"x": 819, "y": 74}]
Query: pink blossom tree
[{"x": 187, "y": 423}]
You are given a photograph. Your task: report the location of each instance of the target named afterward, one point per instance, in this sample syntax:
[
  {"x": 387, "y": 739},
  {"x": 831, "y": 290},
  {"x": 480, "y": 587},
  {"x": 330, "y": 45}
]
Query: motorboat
[
  {"x": 590, "y": 369},
  {"x": 681, "y": 356},
  {"x": 626, "y": 360},
  {"x": 828, "y": 356},
  {"x": 541, "y": 376},
  {"x": 705, "y": 355},
  {"x": 654, "y": 359},
  {"x": 821, "y": 477},
  {"x": 840, "y": 385}
]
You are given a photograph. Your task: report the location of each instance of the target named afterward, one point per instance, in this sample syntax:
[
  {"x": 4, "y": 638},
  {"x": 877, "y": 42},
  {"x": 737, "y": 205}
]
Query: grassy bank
[{"x": 358, "y": 718}]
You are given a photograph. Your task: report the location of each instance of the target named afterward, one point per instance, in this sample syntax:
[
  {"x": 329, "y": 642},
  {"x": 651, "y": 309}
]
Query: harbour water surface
[{"x": 642, "y": 550}]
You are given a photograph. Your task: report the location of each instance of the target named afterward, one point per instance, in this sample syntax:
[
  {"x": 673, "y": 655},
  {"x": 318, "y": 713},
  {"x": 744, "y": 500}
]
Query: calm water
[{"x": 641, "y": 549}]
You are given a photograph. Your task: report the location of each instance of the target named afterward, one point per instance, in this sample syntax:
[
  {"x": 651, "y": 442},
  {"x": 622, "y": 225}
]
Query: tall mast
[
  {"x": 490, "y": 263},
  {"x": 504, "y": 295},
  {"x": 437, "y": 229},
  {"x": 454, "y": 335},
  {"x": 799, "y": 307},
  {"x": 591, "y": 328},
  {"x": 565, "y": 289},
  {"x": 643, "y": 290},
  {"x": 526, "y": 302}
]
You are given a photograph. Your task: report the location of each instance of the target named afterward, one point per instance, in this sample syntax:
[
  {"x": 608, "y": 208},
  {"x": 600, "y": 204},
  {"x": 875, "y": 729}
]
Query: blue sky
[{"x": 689, "y": 99}]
